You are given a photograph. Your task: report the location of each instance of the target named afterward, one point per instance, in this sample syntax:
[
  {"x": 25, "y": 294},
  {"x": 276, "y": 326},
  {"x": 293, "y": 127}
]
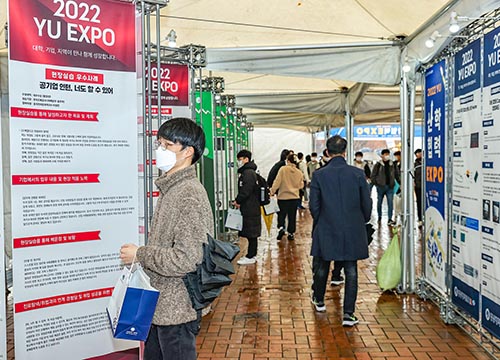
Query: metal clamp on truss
[
  {"x": 213, "y": 84},
  {"x": 151, "y": 5},
  {"x": 193, "y": 55}
]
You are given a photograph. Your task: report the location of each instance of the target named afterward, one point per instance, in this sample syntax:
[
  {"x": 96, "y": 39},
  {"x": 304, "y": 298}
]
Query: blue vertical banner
[
  {"x": 490, "y": 229},
  {"x": 467, "y": 179},
  {"x": 435, "y": 180}
]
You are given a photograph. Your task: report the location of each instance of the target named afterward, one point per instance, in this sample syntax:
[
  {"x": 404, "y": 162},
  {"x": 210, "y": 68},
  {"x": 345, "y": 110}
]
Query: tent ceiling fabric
[{"x": 367, "y": 64}]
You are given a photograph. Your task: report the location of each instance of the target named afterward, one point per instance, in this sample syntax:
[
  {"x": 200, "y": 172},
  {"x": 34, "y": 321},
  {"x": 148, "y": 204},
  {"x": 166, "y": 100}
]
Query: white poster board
[
  {"x": 73, "y": 117},
  {"x": 3, "y": 320}
]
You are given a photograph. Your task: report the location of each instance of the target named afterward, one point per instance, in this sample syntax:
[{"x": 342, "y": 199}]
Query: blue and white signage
[
  {"x": 435, "y": 179},
  {"x": 467, "y": 179},
  {"x": 490, "y": 240}
]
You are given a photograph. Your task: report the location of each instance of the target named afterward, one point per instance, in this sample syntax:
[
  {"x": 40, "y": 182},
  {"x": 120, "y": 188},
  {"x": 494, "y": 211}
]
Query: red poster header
[
  {"x": 174, "y": 85},
  {"x": 56, "y": 239},
  {"x": 74, "y": 76},
  {"x": 28, "y": 113},
  {"x": 95, "y": 34},
  {"x": 62, "y": 299},
  {"x": 51, "y": 179}
]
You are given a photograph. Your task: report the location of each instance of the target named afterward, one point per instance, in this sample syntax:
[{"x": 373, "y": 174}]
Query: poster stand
[{"x": 469, "y": 296}]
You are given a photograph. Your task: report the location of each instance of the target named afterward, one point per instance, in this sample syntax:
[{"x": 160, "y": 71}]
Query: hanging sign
[
  {"x": 435, "y": 185},
  {"x": 73, "y": 138},
  {"x": 467, "y": 179},
  {"x": 490, "y": 227}
]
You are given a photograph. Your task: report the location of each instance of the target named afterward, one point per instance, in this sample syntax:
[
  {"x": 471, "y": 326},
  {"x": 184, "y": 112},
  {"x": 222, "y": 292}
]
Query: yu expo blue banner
[
  {"x": 468, "y": 148},
  {"x": 490, "y": 241},
  {"x": 435, "y": 159}
]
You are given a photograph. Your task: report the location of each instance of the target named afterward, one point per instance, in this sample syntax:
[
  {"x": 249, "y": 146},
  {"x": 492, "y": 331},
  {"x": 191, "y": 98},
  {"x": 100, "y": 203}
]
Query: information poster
[
  {"x": 3, "y": 319},
  {"x": 73, "y": 116},
  {"x": 490, "y": 252},
  {"x": 435, "y": 188},
  {"x": 468, "y": 207}
]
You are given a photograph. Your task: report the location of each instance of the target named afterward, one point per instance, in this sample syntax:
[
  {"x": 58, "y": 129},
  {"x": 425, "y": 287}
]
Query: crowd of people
[{"x": 339, "y": 200}]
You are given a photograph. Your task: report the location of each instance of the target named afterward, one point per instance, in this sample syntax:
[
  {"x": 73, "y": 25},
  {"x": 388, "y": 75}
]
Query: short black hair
[
  {"x": 284, "y": 154},
  {"x": 244, "y": 154},
  {"x": 314, "y": 154},
  {"x": 385, "y": 151},
  {"x": 358, "y": 153},
  {"x": 418, "y": 151},
  {"x": 185, "y": 132},
  {"x": 397, "y": 153},
  {"x": 308, "y": 158},
  {"x": 336, "y": 145},
  {"x": 300, "y": 155},
  {"x": 325, "y": 152}
]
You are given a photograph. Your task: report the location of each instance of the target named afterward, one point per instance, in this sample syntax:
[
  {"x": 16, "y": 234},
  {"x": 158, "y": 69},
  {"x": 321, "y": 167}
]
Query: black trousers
[
  {"x": 252, "y": 248},
  {"x": 288, "y": 208},
  {"x": 172, "y": 342},
  {"x": 418, "y": 195},
  {"x": 321, "y": 269}
]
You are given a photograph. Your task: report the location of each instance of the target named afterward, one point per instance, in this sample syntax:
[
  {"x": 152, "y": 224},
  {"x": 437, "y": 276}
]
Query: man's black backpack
[
  {"x": 206, "y": 282},
  {"x": 264, "y": 194}
]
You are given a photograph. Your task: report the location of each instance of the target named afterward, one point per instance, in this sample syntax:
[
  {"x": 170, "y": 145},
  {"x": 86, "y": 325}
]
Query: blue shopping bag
[{"x": 132, "y": 305}]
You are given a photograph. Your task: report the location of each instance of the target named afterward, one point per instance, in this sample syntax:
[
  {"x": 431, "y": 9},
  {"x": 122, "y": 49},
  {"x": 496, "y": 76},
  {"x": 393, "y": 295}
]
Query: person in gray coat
[
  {"x": 181, "y": 221},
  {"x": 340, "y": 205}
]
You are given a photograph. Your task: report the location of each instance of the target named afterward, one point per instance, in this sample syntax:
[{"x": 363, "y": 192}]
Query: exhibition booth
[{"x": 85, "y": 86}]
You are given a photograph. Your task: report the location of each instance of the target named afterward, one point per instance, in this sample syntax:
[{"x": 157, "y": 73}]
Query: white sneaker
[{"x": 246, "y": 261}]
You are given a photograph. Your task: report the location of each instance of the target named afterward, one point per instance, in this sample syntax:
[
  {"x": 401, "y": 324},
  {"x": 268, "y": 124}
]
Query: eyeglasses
[{"x": 157, "y": 144}]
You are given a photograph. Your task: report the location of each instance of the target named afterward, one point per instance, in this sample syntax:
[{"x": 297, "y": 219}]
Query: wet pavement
[{"x": 266, "y": 313}]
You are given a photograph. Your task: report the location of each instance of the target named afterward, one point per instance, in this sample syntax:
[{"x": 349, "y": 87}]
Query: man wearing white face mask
[
  {"x": 181, "y": 222},
  {"x": 383, "y": 177}
]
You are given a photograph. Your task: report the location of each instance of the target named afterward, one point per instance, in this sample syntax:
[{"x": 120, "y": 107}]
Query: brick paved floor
[{"x": 266, "y": 313}]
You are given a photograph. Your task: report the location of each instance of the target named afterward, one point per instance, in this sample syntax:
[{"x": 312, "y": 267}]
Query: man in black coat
[
  {"x": 276, "y": 167},
  {"x": 418, "y": 183},
  {"x": 248, "y": 203},
  {"x": 340, "y": 205}
]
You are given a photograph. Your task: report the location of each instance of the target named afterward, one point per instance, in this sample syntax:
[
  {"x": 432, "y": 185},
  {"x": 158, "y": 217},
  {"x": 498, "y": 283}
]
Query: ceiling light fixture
[
  {"x": 454, "y": 25},
  {"x": 430, "y": 42}
]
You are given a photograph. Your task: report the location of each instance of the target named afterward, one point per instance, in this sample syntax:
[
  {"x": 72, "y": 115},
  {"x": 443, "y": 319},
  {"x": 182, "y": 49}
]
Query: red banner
[
  {"x": 174, "y": 85},
  {"x": 51, "y": 179},
  {"x": 28, "y": 113},
  {"x": 71, "y": 33},
  {"x": 74, "y": 76},
  {"x": 56, "y": 239},
  {"x": 62, "y": 299}
]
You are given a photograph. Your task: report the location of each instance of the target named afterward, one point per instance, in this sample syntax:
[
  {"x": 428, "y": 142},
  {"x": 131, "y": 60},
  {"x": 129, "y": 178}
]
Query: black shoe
[
  {"x": 281, "y": 233},
  {"x": 319, "y": 305},
  {"x": 291, "y": 237},
  {"x": 349, "y": 320}
]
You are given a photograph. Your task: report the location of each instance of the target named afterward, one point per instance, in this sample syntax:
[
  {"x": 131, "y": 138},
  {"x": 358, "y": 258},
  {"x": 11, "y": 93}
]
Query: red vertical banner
[{"x": 73, "y": 137}]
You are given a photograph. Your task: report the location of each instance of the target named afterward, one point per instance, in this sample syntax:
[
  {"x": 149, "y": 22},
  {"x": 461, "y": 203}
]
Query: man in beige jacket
[
  {"x": 288, "y": 184},
  {"x": 181, "y": 222}
]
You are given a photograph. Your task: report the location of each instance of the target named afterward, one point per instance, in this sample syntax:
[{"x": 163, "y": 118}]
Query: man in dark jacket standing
[
  {"x": 340, "y": 205},
  {"x": 418, "y": 183},
  {"x": 248, "y": 203},
  {"x": 384, "y": 175}
]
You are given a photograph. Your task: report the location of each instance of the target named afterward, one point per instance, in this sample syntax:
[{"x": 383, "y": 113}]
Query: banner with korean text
[
  {"x": 490, "y": 252},
  {"x": 73, "y": 138},
  {"x": 436, "y": 237},
  {"x": 467, "y": 179}
]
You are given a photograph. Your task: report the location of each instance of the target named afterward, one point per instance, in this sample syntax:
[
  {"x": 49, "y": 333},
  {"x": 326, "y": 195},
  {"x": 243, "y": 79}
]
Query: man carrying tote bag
[{"x": 181, "y": 222}]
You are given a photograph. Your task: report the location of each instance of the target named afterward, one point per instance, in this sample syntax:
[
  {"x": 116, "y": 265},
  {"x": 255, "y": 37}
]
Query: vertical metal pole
[
  {"x": 158, "y": 63},
  {"x": 144, "y": 124},
  {"x": 215, "y": 142},
  {"x": 409, "y": 189},
  {"x": 349, "y": 130},
  {"x": 405, "y": 174},
  {"x": 149, "y": 117},
  {"x": 201, "y": 122}
]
